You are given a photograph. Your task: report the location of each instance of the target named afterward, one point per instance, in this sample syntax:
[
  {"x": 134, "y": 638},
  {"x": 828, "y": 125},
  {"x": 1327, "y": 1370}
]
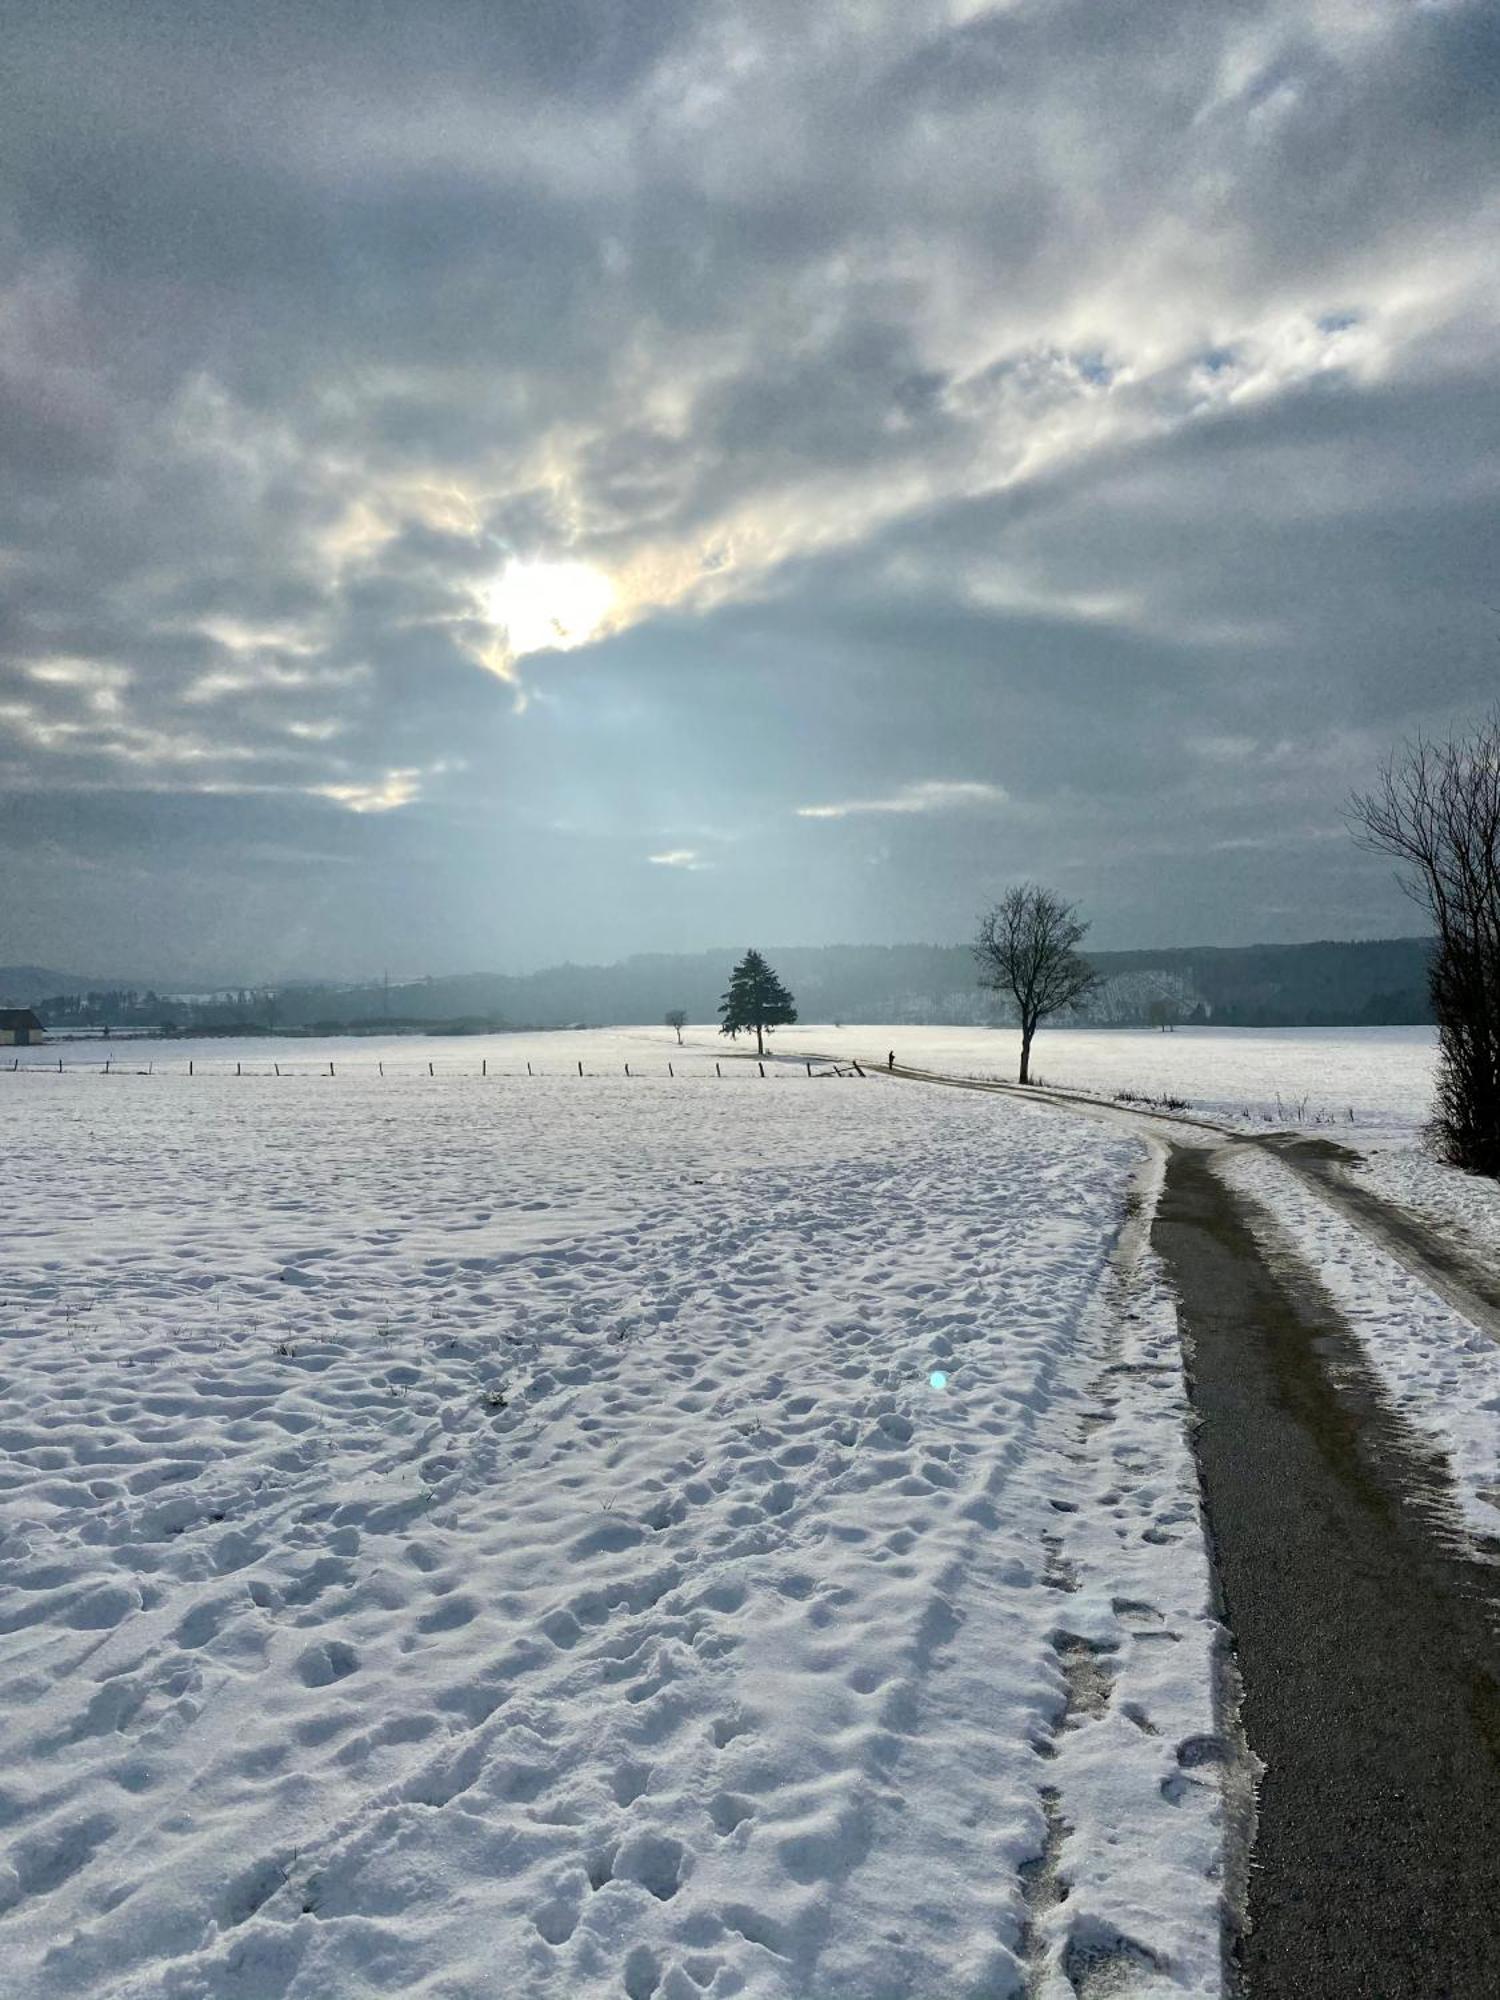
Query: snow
[
  {"x": 1291, "y": 1076},
  {"x": 1440, "y": 1373},
  {"x": 1260, "y": 1076},
  {"x": 1466, "y": 1206},
  {"x": 470, "y": 1536}
]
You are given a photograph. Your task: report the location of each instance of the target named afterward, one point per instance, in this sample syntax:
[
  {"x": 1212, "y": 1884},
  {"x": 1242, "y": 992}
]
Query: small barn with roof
[{"x": 19, "y": 1028}]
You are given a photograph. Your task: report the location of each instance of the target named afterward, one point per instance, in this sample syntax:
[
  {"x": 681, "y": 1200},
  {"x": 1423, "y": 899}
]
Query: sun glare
[{"x": 544, "y": 606}]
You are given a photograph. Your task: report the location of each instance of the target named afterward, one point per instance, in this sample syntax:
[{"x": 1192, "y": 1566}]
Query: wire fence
[{"x": 772, "y": 1068}]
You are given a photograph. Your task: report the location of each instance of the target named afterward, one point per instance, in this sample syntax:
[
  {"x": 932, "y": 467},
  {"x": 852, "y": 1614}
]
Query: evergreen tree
[{"x": 756, "y": 999}]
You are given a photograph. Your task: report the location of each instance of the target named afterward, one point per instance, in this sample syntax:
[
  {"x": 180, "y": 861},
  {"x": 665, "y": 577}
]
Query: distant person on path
[{"x": 890, "y": 1061}]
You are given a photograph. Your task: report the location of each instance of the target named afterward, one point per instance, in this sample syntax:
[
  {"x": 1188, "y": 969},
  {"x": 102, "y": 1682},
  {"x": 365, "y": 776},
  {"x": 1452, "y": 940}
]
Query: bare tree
[
  {"x": 677, "y": 1019},
  {"x": 1436, "y": 808},
  {"x": 1028, "y": 949}
]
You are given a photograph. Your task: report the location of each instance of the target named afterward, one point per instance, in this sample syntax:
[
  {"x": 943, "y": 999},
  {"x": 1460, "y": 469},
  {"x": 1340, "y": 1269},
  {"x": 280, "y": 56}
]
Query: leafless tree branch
[
  {"x": 1435, "y": 808},
  {"x": 1027, "y": 948}
]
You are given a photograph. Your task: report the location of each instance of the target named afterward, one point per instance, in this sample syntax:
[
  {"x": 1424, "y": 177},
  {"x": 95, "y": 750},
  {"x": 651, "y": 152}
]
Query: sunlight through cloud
[
  {"x": 935, "y": 795},
  {"x": 549, "y": 606},
  {"x": 678, "y": 857}
]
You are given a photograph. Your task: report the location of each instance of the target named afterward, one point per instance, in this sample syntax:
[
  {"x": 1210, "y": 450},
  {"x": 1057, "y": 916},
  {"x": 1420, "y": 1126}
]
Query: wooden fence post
[
  {"x": 809, "y": 1069},
  {"x": 484, "y": 1065},
  {"x": 717, "y": 1070},
  {"x": 236, "y": 1068},
  {"x": 670, "y": 1070},
  {"x": 277, "y": 1068},
  {"x": 190, "y": 1065},
  {"x": 761, "y": 1067},
  {"x": 330, "y": 1069},
  {"x": 528, "y": 1069},
  {"x": 429, "y": 1069},
  {"x": 627, "y": 1069},
  {"x": 580, "y": 1069}
]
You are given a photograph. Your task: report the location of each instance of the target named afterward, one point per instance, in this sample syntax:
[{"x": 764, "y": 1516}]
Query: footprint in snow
[
  {"x": 729, "y": 1810},
  {"x": 45, "y": 1861},
  {"x": 654, "y": 1860},
  {"x": 325, "y": 1663},
  {"x": 642, "y": 1973},
  {"x": 630, "y": 1782},
  {"x": 448, "y": 1614}
]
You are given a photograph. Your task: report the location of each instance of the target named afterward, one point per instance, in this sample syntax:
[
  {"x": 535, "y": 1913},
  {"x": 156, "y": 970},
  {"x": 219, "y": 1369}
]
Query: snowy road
[
  {"x": 1348, "y": 1436},
  {"x": 476, "y": 1538},
  {"x": 1366, "y": 1624}
]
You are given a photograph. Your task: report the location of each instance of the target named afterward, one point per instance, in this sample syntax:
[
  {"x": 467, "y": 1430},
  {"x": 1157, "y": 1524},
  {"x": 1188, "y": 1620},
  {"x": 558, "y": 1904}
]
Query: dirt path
[{"x": 1366, "y": 1638}]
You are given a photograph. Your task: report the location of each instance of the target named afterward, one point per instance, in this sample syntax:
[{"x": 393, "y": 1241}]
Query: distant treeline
[
  {"x": 1306, "y": 985},
  {"x": 266, "y": 1014}
]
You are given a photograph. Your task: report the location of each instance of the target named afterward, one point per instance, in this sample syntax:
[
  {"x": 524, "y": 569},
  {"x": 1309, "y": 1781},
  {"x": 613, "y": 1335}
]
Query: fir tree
[{"x": 756, "y": 999}]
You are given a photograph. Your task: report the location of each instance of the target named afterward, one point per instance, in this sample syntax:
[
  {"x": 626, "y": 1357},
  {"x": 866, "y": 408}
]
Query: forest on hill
[{"x": 1334, "y": 984}]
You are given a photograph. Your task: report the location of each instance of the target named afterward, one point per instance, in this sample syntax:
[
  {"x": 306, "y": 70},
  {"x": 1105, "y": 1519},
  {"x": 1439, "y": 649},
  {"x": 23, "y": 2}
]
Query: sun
[{"x": 549, "y": 606}]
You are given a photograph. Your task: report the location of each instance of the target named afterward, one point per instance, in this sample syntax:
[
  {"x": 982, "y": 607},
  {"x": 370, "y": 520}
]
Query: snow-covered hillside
[{"x": 591, "y": 1538}]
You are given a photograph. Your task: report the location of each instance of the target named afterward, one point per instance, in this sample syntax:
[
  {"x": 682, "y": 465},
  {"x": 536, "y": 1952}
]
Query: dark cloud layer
[{"x": 490, "y": 482}]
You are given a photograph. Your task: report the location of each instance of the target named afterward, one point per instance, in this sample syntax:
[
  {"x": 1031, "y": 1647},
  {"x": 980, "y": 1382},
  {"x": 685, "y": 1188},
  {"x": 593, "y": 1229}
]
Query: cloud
[
  {"x": 395, "y": 789},
  {"x": 678, "y": 857},
  {"x": 933, "y": 796},
  {"x": 849, "y": 390}
]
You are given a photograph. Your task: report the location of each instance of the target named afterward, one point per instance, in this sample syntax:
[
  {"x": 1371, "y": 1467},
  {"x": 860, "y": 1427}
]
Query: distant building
[{"x": 19, "y": 1028}]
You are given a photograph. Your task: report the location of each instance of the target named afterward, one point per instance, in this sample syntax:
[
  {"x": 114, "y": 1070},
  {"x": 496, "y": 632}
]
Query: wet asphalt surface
[{"x": 1367, "y": 1634}]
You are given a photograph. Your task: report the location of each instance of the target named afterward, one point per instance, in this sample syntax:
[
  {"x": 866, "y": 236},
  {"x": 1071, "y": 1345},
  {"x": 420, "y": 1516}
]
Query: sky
[{"x": 484, "y": 484}]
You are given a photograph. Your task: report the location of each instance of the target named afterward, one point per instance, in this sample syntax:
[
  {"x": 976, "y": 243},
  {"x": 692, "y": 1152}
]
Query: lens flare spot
[{"x": 937, "y": 1379}]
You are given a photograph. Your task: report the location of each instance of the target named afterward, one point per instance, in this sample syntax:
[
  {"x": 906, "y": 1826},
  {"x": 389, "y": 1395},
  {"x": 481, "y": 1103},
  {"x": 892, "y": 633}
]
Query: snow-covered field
[
  {"x": 1286, "y": 1076},
  {"x": 1262, "y": 1076},
  {"x": 1370, "y": 1089},
  {"x": 490, "y": 1538}
]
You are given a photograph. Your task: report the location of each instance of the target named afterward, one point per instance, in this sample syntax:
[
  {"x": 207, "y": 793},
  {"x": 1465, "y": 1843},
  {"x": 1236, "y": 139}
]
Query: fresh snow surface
[
  {"x": 498, "y": 1538},
  {"x": 1441, "y": 1373}
]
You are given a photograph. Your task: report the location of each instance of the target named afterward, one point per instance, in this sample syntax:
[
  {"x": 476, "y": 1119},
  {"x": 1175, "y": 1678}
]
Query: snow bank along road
[{"x": 593, "y": 1539}]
